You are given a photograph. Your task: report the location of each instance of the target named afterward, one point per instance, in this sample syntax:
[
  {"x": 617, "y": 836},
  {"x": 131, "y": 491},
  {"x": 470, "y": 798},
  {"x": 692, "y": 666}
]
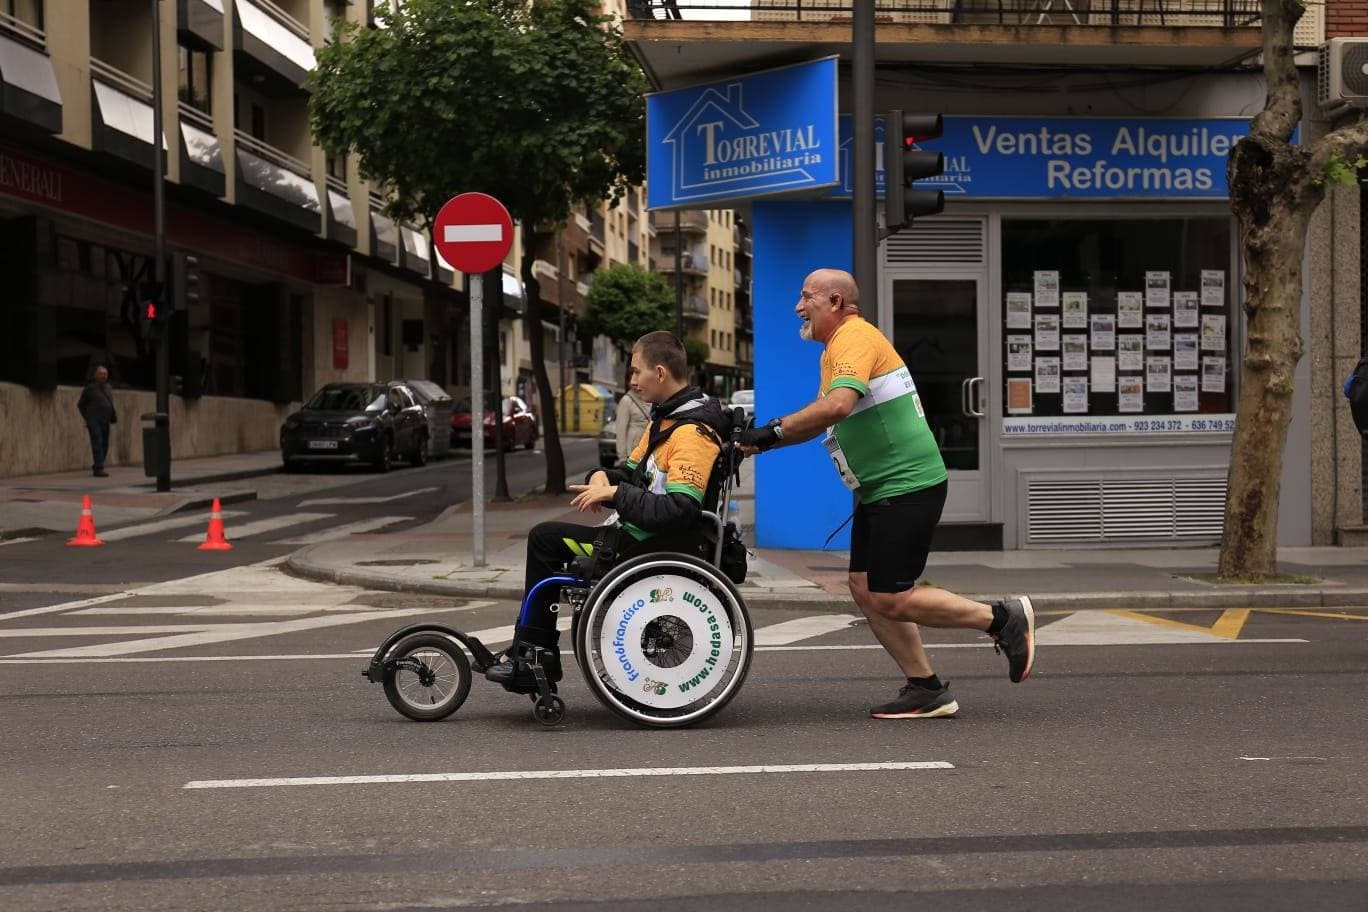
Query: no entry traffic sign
[{"x": 473, "y": 232}]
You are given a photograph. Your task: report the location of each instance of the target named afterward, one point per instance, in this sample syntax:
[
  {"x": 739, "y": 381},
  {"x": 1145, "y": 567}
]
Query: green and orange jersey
[
  {"x": 681, "y": 465},
  {"x": 886, "y": 440}
]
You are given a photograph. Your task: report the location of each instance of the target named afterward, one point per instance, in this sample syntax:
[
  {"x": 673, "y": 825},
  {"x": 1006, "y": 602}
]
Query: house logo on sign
[{"x": 718, "y": 146}]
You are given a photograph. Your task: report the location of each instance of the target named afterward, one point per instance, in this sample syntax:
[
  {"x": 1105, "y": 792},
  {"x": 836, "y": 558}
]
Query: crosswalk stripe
[
  {"x": 801, "y": 629},
  {"x": 500, "y": 636},
  {"x": 228, "y": 610},
  {"x": 356, "y": 528},
  {"x": 332, "y": 501},
  {"x": 43, "y": 632},
  {"x": 262, "y": 526},
  {"x": 161, "y": 525}
]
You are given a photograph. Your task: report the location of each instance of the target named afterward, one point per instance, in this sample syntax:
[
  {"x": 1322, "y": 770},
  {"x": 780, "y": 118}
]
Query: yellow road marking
[
  {"x": 1227, "y": 626},
  {"x": 1315, "y": 614}
]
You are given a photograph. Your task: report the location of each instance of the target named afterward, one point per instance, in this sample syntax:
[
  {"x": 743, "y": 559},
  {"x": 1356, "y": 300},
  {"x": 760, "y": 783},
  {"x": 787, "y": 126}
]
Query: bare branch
[{"x": 1346, "y": 144}]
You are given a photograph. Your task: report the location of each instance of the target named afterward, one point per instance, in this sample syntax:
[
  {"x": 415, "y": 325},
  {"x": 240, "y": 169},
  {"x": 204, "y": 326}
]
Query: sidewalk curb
[
  {"x": 239, "y": 475},
  {"x": 301, "y": 564}
]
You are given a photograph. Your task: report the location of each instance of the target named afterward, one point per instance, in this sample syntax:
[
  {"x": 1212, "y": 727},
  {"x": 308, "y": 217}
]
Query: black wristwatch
[{"x": 778, "y": 425}]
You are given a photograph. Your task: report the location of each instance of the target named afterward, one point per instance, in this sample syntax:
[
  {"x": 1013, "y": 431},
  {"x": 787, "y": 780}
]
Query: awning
[
  {"x": 384, "y": 237},
  {"x": 122, "y": 124},
  {"x": 28, "y": 86},
  {"x": 277, "y": 191},
  {"x": 202, "y": 19},
  {"x": 270, "y": 42},
  {"x": 515, "y": 297},
  {"x": 201, "y": 159},
  {"x": 341, "y": 218},
  {"x": 415, "y": 257}
]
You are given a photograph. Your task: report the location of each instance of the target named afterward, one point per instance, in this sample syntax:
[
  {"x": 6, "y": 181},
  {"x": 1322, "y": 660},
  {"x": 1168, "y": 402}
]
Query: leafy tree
[
  {"x": 1275, "y": 188},
  {"x": 625, "y": 302},
  {"x": 697, "y": 352},
  {"x": 539, "y": 105}
]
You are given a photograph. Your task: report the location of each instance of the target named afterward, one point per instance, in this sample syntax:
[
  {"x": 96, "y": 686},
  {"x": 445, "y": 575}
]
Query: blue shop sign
[
  {"x": 1035, "y": 157},
  {"x": 754, "y": 136},
  {"x": 846, "y": 189}
]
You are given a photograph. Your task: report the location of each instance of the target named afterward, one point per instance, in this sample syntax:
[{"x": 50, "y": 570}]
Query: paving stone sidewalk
[{"x": 437, "y": 559}]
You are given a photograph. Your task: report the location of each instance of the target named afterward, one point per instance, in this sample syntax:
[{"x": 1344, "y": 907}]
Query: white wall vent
[
  {"x": 1125, "y": 509},
  {"x": 1342, "y": 74},
  {"x": 938, "y": 240}
]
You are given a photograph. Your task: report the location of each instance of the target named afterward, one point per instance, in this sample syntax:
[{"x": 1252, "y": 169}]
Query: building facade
[
  {"x": 1073, "y": 320},
  {"x": 298, "y": 278}
]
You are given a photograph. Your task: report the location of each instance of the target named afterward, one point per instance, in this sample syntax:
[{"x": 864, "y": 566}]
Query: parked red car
[{"x": 519, "y": 423}]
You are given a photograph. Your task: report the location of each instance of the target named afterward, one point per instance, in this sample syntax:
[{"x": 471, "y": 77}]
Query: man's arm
[
  {"x": 806, "y": 423},
  {"x": 815, "y": 417}
]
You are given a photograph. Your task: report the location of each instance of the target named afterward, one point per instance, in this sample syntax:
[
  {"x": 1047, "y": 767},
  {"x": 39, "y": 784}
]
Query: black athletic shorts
[{"x": 891, "y": 538}]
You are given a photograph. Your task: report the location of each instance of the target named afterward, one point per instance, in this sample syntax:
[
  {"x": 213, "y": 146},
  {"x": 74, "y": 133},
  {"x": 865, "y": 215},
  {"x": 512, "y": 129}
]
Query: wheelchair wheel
[
  {"x": 664, "y": 640},
  {"x": 427, "y": 677}
]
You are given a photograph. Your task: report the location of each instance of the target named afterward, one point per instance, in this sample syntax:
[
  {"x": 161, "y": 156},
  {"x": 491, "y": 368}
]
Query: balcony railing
[
  {"x": 695, "y": 306},
  {"x": 11, "y": 23},
  {"x": 1199, "y": 13},
  {"x": 691, "y": 263}
]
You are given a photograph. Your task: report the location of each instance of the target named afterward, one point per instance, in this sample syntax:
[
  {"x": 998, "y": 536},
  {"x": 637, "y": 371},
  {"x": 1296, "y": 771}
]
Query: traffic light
[
  {"x": 152, "y": 310},
  {"x": 903, "y": 165},
  {"x": 185, "y": 281}
]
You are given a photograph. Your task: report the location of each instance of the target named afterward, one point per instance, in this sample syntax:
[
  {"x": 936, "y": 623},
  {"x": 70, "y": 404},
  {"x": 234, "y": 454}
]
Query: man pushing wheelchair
[{"x": 658, "y": 495}]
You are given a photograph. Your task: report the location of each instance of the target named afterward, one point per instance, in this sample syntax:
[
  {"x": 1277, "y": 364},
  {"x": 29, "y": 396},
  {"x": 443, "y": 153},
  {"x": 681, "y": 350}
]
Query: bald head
[
  {"x": 835, "y": 281},
  {"x": 829, "y": 297}
]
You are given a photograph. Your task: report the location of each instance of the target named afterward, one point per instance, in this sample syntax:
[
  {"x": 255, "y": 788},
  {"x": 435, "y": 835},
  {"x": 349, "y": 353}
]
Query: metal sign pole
[{"x": 477, "y": 413}]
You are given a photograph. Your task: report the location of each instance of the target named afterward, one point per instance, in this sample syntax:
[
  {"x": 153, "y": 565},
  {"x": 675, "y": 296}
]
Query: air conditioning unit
[{"x": 1342, "y": 74}]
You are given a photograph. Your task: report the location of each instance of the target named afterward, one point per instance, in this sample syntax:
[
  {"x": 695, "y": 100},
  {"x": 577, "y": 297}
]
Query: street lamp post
[{"x": 162, "y": 417}]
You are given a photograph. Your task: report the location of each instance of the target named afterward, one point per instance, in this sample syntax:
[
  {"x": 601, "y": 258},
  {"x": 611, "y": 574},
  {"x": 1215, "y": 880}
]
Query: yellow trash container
[{"x": 587, "y": 415}]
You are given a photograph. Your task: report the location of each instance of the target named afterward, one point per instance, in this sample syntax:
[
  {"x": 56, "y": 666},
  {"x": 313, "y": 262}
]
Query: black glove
[{"x": 762, "y": 438}]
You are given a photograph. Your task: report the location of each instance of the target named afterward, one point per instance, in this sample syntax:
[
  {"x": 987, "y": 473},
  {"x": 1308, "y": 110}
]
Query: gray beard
[{"x": 805, "y": 331}]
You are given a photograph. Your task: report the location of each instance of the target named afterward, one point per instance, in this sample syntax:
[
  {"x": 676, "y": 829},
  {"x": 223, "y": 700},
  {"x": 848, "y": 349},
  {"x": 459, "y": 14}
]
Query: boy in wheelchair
[{"x": 658, "y": 494}]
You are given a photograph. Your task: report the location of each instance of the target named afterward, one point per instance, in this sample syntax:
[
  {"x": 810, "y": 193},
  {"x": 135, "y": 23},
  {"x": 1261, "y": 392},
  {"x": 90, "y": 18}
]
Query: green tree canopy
[
  {"x": 698, "y": 352},
  {"x": 540, "y": 105},
  {"x": 537, "y": 104},
  {"x": 625, "y": 302}
]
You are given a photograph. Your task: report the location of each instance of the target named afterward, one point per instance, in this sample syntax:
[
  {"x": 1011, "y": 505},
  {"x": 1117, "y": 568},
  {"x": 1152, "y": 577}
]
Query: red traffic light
[{"x": 150, "y": 311}]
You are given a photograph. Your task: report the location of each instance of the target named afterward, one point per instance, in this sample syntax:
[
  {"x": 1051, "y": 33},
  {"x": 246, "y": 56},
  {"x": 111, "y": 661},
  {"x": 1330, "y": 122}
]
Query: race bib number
[{"x": 833, "y": 448}]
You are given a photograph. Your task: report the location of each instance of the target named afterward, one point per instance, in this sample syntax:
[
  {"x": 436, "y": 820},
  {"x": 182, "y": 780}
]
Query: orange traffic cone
[
  {"x": 215, "y": 541},
  {"x": 85, "y": 529}
]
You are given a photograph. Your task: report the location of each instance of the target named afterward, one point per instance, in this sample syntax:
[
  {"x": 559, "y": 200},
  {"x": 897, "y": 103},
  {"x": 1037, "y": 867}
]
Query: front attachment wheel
[{"x": 427, "y": 677}]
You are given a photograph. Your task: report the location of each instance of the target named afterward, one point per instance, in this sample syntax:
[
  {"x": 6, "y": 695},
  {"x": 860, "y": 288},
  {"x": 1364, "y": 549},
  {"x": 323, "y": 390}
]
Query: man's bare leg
[{"x": 901, "y": 639}]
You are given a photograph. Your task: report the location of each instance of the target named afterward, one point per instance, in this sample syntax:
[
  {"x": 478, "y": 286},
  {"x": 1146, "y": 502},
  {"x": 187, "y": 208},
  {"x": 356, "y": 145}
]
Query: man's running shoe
[
  {"x": 917, "y": 702},
  {"x": 1017, "y": 638}
]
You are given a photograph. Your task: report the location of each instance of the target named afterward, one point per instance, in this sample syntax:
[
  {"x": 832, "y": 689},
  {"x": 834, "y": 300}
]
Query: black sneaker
[
  {"x": 1017, "y": 638},
  {"x": 917, "y": 702}
]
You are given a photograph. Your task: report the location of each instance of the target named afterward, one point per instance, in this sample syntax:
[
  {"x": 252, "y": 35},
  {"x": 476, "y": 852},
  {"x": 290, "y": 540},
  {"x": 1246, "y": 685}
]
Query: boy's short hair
[{"x": 665, "y": 349}]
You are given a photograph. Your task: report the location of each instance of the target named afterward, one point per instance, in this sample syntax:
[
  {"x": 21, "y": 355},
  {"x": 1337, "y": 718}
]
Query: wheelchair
[{"x": 662, "y": 639}]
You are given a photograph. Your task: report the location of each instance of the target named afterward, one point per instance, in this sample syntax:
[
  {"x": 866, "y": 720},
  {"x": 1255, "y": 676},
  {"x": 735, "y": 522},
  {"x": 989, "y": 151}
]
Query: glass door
[{"x": 939, "y": 328}]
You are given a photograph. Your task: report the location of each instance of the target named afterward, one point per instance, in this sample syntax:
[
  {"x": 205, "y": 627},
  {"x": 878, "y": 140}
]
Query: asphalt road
[
  {"x": 292, "y": 510},
  {"x": 1216, "y": 776}
]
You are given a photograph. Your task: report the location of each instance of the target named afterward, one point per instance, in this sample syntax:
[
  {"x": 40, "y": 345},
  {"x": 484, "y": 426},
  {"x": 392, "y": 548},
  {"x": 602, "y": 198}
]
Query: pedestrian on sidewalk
[
  {"x": 96, "y": 406},
  {"x": 657, "y": 493},
  {"x": 632, "y": 417},
  {"x": 883, "y": 449}
]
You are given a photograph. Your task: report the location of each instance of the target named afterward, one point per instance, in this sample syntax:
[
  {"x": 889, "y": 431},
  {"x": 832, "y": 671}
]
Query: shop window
[
  {"x": 196, "y": 78},
  {"x": 1118, "y": 318}
]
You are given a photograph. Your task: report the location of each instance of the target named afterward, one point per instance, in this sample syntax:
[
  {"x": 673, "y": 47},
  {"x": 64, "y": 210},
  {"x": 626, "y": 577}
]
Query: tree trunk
[
  {"x": 1273, "y": 291},
  {"x": 532, "y": 328}
]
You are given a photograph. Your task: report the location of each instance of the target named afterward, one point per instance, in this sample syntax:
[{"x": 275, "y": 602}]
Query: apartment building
[
  {"x": 301, "y": 280},
  {"x": 708, "y": 241},
  {"x": 1083, "y": 175}
]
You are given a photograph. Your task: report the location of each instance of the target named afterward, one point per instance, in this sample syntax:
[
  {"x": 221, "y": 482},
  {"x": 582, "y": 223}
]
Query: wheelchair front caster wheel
[{"x": 549, "y": 710}]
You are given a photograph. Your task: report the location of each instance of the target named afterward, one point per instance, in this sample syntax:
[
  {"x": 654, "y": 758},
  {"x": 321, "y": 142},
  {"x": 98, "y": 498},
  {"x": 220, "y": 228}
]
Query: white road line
[
  {"x": 37, "y": 632},
  {"x": 522, "y": 775},
  {"x": 228, "y": 610},
  {"x": 801, "y": 629},
  {"x": 161, "y": 525},
  {"x": 65, "y": 606},
  {"x": 15, "y": 541},
  {"x": 498, "y": 636},
  {"x": 364, "y": 525},
  {"x": 328, "y": 501},
  {"x": 262, "y": 526}
]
